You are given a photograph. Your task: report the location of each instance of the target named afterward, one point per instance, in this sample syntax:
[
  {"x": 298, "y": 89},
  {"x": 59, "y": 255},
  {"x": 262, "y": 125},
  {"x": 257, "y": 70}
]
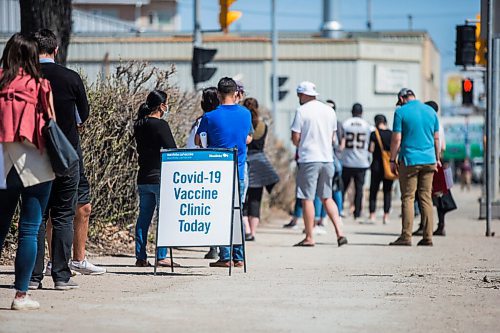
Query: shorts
[
  {"x": 83, "y": 187},
  {"x": 315, "y": 178}
]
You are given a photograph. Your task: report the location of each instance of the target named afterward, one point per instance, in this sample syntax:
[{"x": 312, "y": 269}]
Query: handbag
[
  {"x": 63, "y": 156},
  {"x": 439, "y": 182},
  {"x": 386, "y": 159},
  {"x": 446, "y": 203}
]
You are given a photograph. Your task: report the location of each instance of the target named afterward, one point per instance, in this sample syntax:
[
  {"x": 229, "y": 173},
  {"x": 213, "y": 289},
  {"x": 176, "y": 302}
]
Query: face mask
[{"x": 164, "y": 114}]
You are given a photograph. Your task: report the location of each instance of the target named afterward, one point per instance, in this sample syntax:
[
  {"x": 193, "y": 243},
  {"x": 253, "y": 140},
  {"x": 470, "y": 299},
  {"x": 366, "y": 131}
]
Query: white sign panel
[
  {"x": 196, "y": 198},
  {"x": 390, "y": 80}
]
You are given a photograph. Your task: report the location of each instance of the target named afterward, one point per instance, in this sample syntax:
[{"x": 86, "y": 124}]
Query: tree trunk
[{"x": 50, "y": 14}]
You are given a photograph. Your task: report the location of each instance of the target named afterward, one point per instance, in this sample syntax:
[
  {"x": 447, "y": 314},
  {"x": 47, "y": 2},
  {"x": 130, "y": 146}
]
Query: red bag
[{"x": 439, "y": 186}]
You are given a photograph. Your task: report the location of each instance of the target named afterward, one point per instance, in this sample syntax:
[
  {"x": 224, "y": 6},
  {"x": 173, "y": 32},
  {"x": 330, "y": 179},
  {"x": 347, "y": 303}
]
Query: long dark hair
[
  {"x": 209, "y": 102},
  {"x": 153, "y": 102},
  {"x": 209, "y": 99},
  {"x": 21, "y": 51},
  {"x": 252, "y": 105}
]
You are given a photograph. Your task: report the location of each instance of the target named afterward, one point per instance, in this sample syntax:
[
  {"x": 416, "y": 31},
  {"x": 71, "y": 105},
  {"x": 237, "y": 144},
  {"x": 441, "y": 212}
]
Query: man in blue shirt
[
  {"x": 228, "y": 126},
  {"x": 416, "y": 137}
]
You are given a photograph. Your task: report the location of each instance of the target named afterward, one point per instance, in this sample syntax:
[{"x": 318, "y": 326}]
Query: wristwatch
[{"x": 392, "y": 161}]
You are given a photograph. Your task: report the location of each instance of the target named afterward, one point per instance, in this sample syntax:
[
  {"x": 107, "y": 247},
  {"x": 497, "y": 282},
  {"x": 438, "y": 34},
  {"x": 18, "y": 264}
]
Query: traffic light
[
  {"x": 480, "y": 44},
  {"x": 226, "y": 16},
  {"x": 281, "y": 81},
  {"x": 467, "y": 91},
  {"x": 465, "y": 50},
  {"x": 201, "y": 57}
]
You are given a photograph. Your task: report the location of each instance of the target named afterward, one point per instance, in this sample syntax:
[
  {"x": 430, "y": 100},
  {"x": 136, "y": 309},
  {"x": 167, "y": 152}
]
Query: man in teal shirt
[{"x": 416, "y": 137}]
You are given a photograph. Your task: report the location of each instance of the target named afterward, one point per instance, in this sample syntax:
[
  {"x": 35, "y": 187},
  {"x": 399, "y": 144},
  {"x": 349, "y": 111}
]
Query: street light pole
[
  {"x": 489, "y": 125},
  {"x": 197, "y": 25},
  {"x": 274, "y": 65}
]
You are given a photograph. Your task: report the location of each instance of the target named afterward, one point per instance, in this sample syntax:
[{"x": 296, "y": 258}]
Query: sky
[{"x": 437, "y": 17}]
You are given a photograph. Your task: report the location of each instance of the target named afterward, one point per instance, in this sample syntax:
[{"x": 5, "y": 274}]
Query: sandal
[
  {"x": 304, "y": 244},
  {"x": 167, "y": 263}
]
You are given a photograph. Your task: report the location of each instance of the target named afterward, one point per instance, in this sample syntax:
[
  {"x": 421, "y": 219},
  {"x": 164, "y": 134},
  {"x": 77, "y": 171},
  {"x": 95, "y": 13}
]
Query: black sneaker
[
  {"x": 291, "y": 225},
  {"x": 341, "y": 241},
  {"x": 61, "y": 285},
  {"x": 212, "y": 253},
  {"x": 34, "y": 285}
]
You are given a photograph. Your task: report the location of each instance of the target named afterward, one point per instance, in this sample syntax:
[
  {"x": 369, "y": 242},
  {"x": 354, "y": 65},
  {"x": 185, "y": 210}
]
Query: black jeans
[
  {"x": 61, "y": 209},
  {"x": 359, "y": 180},
  {"x": 377, "y": 176}
]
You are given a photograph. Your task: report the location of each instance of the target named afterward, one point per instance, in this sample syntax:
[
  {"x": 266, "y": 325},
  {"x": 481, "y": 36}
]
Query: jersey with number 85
[{"x": 357, "y": 139}]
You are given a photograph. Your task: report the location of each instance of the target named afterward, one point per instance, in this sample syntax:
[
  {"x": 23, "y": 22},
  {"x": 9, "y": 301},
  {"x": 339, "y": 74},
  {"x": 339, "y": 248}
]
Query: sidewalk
[{"x": 365, "y": 286}]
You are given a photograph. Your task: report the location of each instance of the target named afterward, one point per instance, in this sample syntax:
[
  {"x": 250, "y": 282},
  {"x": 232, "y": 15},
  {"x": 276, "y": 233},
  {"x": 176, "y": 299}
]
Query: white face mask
[{"x": 164, "y": 116}]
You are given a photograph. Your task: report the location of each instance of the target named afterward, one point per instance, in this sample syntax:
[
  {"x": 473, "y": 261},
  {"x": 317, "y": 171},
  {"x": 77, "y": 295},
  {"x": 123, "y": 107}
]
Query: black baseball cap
[{"x": 404, "y": 92}]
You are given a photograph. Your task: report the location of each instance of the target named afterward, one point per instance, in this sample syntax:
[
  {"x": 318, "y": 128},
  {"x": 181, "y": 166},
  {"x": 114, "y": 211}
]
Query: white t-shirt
[
  {"x": 192, "y": 133},
  {"x": 357, "y": 139},
  {"x": 317, "y": 123}
]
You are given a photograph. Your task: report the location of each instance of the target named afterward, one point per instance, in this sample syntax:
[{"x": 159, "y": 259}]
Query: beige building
[{"x": 147, "y": 15}]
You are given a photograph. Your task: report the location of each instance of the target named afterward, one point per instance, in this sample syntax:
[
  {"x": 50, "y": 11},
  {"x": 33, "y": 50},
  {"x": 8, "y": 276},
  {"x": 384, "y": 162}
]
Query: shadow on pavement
[
  {"x": 371, "y": 233},
  {"x": 159, "y": 273}
]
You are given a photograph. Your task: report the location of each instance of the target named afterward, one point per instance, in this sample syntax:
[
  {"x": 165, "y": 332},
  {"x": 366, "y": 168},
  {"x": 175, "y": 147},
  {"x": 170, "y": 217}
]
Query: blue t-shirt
[
  {"x": 227, "y": 127},
  {"x": 417, "y": 124}
]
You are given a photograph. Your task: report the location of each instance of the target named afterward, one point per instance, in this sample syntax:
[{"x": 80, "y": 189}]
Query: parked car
[{"x": 477, "y": 170}]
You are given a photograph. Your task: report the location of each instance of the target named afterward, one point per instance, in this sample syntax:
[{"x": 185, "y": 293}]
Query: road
[{"x": 362, "y": 287}]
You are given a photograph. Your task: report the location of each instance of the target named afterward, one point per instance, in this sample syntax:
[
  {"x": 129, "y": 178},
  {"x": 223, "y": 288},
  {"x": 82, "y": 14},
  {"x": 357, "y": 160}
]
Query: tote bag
[{"x": 386, "y": 159}]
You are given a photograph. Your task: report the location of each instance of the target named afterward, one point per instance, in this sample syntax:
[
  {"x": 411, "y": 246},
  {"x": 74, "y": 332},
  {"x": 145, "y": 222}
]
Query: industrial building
[{"x": 366, "y": 67}]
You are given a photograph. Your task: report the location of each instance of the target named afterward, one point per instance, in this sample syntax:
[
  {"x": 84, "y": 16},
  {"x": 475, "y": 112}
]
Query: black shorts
[{"x": 83, "y": 187}]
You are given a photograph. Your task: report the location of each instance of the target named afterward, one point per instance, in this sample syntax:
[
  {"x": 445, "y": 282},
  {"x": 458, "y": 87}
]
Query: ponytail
[{"x": 153, "y": 102}]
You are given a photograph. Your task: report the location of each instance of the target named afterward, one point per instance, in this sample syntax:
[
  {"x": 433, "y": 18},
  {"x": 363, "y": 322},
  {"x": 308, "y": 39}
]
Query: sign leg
[
  {"x": 172, "y": 260},
  {"x": 156, "y": 258}
]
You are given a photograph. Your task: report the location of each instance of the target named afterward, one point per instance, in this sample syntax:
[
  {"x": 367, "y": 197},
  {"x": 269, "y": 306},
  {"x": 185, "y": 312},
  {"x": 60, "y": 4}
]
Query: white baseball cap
[{"x": 307, "y": 88}]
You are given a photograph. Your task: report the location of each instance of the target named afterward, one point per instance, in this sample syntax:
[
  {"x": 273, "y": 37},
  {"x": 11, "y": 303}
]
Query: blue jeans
[
  {"x": 337, "y": 194},
  {"x": 225, "y": 251},
  {"x": 297, "y": 211},
  {"x": 319, "y": 210},
  {"x": 33, "y": 203},
  {"x": 149, "y": 201}
]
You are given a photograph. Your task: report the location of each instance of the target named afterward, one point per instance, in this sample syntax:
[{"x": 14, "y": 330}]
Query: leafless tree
[{"x": 50, "y": 14}]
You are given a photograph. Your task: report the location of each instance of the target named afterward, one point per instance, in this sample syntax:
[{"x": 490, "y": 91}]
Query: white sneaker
[
  {"x": 48, "y": 269},
  {"x": 86, "y": 268},
  {"x": 24, "y": 303},
  {"x": 319, "y": 230}
]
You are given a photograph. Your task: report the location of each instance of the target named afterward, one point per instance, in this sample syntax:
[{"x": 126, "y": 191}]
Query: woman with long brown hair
[
  {"x": 260, "y": 171},
  {"x": 28, "y": 173}
]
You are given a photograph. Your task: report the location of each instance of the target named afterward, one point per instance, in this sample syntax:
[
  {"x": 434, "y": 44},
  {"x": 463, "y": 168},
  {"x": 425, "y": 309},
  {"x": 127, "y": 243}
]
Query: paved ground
[{"x": 365, "y": 286}]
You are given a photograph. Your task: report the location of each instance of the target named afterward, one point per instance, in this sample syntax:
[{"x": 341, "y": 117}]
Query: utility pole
[
  {"x": 274, "y": 74},
  {"x": 489, "y": 113},
  {"x": 410, "y": 22},
  {"x": 369, "y": 15},
  {"x": 197, "y": 25}
]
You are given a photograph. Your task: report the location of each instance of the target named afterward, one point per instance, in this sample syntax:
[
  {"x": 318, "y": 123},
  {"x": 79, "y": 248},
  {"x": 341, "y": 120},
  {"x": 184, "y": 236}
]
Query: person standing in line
[
  {"x": 356, "y": 157},
  {"x": 381, "y": 136},
  {"x": 27, "y": 173},
  {"x": 228, "y": 126},
  {"x": 69, "y": 94},
  {"x": 151, "y": 135},
  {"x": 443, "y": 202},
  {"x": 209, "y": 102},
  {"x": 260, "y": 171},
  {"x": 338, "y": 147},
  {"x": 313, "y": 130},
  {"x": 416, "y": 137}
]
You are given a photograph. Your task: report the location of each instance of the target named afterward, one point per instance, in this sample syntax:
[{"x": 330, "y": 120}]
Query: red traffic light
[{"x": 467, "y": 85}]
